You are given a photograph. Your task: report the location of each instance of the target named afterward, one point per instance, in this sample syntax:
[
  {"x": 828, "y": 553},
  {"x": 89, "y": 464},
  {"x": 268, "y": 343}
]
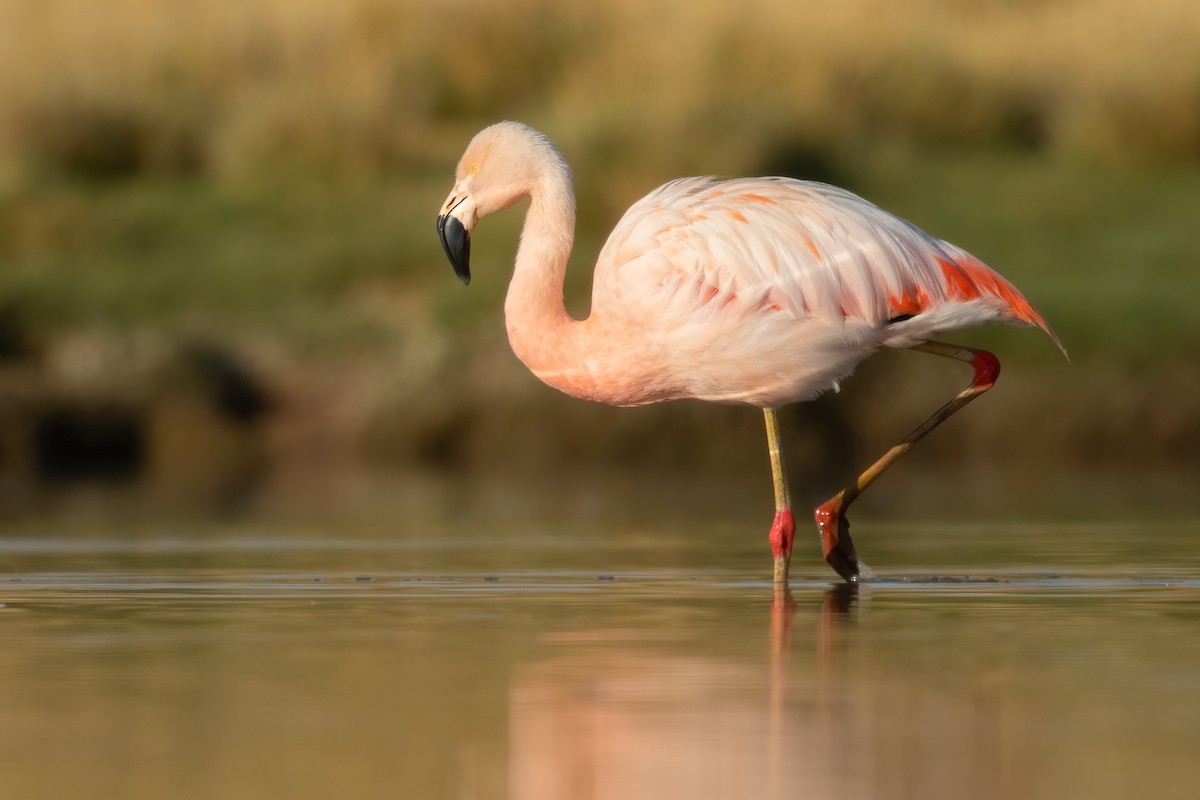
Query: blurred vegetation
[
  {"x": 258, "y": 179},
  {"x": 238, "y": 90}
]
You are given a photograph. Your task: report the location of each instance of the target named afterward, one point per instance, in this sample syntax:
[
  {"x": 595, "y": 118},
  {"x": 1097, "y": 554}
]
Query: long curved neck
[{"x": 542, "y": 334}]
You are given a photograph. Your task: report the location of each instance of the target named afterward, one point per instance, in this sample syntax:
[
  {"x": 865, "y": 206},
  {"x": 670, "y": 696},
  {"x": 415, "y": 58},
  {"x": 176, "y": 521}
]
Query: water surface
[{"x": 236, "y": 661}]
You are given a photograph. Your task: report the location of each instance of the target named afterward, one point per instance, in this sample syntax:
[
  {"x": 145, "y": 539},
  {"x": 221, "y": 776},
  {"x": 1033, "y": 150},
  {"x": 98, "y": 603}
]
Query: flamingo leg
[
  {"x": 831, "y": 515},
  {"x": 783, "y": 528}
]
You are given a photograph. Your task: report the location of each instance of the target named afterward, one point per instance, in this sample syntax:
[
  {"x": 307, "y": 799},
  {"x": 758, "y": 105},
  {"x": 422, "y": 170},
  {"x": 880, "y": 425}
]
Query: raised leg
[
  {"x": 783, "y": 529},
  {"x": 831, "y": 515}
]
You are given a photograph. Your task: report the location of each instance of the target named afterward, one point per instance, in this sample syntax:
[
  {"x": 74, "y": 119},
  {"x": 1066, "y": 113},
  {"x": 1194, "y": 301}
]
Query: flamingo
[{"x": 760, "y": 291}]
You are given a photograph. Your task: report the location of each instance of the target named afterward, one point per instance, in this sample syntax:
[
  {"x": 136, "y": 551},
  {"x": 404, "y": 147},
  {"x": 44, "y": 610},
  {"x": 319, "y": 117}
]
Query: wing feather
[{"x": 813, "y": 251}]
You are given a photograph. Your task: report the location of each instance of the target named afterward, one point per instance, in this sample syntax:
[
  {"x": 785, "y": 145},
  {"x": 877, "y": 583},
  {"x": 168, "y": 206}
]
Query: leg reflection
[
  {"x": 783, "y": 609},
  {"x": 835, "y": 613}
]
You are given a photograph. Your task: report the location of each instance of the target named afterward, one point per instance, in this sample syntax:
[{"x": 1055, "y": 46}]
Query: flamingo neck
[{"x": 543, "y": 335}]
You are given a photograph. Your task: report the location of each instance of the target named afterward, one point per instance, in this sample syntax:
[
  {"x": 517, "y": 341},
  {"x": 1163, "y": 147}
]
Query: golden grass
[{"x": 239, "y": 88}]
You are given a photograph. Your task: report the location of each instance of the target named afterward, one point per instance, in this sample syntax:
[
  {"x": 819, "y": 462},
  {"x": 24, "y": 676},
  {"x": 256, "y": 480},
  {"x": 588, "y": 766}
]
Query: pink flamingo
[{"x": 761, "y": 291}]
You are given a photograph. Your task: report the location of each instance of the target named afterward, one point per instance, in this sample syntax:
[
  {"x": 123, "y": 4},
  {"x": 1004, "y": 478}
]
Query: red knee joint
[
  {"x": 828, "y": 517},
  {"x": 783, "y": 533},
  {"x": 987, "y": 369}
]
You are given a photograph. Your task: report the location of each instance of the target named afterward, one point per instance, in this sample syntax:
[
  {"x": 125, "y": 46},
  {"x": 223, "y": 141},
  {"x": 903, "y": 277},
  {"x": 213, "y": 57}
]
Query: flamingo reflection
[
  {"x": 831, "y": 708},
  {"x": 614, "y": 716}
]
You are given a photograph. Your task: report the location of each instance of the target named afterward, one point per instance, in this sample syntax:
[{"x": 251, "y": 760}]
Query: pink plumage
[
  {"x": 761, "y": 291},
  {"x": 768, "y": 290}
]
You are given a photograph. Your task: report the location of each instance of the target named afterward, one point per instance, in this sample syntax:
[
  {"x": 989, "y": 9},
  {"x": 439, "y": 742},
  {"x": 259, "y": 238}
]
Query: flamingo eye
[{"x": 475, "y": 168}]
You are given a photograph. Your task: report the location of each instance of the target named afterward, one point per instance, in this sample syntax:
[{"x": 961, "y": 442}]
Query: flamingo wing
[{"x": 704, "y": 247}]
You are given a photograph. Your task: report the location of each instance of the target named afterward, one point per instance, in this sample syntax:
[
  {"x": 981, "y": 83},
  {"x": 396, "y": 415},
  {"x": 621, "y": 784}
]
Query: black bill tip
[{"x": 457, "y": 244}]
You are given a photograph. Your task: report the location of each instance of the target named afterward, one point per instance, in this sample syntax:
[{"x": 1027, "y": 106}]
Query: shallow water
[{"x": 238, "y": 661}]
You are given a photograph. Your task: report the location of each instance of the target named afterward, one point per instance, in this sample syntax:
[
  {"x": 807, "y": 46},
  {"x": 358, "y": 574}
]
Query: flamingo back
[
  {"x": 792, "y": 281},
  {"x": 810, "y": 250}
]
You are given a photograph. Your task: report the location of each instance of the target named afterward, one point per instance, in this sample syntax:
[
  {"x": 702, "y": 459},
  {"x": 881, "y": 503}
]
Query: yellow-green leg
[
  {"x": 783, "y": 528},
  {"x": 831, "y": 515}
]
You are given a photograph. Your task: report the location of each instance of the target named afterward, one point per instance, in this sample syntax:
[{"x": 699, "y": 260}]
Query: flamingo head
[{"x": 501, "y": 165}]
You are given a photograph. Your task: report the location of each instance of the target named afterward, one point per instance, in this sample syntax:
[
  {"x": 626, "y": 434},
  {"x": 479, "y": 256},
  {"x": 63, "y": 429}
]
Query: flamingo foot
[
  {"x": 783, "y": 533},
  {"x": 836, "y": 542}
]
